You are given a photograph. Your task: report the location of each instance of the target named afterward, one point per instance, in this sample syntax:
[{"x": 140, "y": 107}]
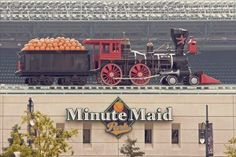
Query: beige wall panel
[
  {"x": 192, "y": 122},
  {"x": 188, "y": 99},
  {"x": 188, "y": 122},
  {"x": 222, "y": 136},
  {"x": 196, "y": 109},
  {"x": 234, "y": 122},
  {"x": 221, "y": 122},
  {"x": 1, "y": 145},
  {"x": 58, "y": 104},
  {"x": 134, "y": 134},
  {"x": 161, "y": 136},
  {"x": 14, "y": 109},
  {"x": 1, "y": 139},
  {"x": 219, "y": 150},
  {"x": 138, "y": 125},
  {"x": 1, "y": 106},
  {"x": 98, "y": 125},
  {"x": 9, "y": 122},
  {"x": 58, "y": 118},
  {"x": 59, "y": 98},
  {"x": 95, "y": 156},
  {"x": 101, "y": 149},
  {"x": 5, "y": 135},
  {"x": 189, "y": 136},
  {"x": 188, "y": 110},
  {"x": 73, "y": 124},
  {"x": 234, "y": 100},
  {"x": 92, "y": 156},
  {"x": 1, "y": 122},
  {"x": 100, "y": 136},
  {"x": 206, "y": 99},
  {"x": 162, "y": 125},
  {"x": 5, "y": 144},
  {"x": 186, "y": 149}
]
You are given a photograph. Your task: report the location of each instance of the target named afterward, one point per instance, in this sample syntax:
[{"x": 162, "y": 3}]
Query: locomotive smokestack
[
  {"x": 179, "y": 37},
  {"x": 126, "y": 47}
]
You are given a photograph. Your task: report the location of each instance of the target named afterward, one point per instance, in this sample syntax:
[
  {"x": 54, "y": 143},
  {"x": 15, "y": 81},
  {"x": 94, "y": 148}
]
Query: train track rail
[{"x": 92, "y": 89}]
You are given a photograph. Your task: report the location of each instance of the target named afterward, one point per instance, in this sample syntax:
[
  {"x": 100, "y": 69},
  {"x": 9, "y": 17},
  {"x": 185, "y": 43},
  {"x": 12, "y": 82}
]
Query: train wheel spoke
[
  {"x": 138, "y": 74},
  {"x": 111, "y": 74}
]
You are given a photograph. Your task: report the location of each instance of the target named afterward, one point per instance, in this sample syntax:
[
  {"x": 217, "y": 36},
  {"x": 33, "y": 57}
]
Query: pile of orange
[{"x": 54, "y": 44}]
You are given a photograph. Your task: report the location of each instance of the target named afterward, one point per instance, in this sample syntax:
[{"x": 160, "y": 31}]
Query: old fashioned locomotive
[{"x": 114, "y": 62}]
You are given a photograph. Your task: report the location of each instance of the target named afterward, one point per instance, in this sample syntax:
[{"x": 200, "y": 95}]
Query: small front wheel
[
  {"x": 171, "y": 80},
  {"x": 193, "y": 80}
]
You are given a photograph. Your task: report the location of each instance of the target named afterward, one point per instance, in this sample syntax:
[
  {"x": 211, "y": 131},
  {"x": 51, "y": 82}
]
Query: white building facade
[{"x": 176, "y": 135}]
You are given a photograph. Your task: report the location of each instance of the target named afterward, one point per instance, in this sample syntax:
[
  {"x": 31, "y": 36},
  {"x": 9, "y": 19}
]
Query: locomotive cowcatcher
[{"x": 114, "y": 63}]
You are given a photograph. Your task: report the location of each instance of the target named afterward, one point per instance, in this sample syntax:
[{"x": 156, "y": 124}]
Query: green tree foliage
[
  {"x": 46, "y": 140},
  {"x": 231, "y": 148},
  {"x": 130, "y": 150},
  {"x": 17, "y": 143}
]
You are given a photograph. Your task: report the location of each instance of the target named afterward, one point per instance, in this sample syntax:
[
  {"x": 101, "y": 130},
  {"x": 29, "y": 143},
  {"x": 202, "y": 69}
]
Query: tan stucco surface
[{"x": 188, "y": 111}]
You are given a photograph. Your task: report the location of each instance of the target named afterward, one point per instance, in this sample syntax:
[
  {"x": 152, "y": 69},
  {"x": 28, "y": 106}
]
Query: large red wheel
[
  {"x": 138, "y": 74},
  {"x": 111, "y": 74}
]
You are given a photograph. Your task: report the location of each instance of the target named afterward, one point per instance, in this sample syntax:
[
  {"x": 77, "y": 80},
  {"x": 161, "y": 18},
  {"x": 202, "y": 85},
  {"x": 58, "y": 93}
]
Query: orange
[
  {"x": 31, "y": 48},
  {"x": 61, "y": 48},
  {"x": 58, "y": 43},
  {"x": 36, "y": 48},
  {"x": 42, "y": 48},
  {"x": 82, "y": 48},
  {"x": 72, "y": 47},
  {"x": 56, "y": 48},
  {"x": 54, "y": 44},
  {"x": 118, "y": 106}
]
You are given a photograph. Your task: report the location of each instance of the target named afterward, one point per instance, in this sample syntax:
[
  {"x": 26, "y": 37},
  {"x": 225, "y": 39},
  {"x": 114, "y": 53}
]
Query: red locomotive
[{"x": 113, "y": 61}]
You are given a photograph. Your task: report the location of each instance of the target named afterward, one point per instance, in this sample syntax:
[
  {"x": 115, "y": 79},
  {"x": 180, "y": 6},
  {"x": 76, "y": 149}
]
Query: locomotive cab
[
  {"x": 109, "y": 49},
  {"x": 104, "y": 49}
]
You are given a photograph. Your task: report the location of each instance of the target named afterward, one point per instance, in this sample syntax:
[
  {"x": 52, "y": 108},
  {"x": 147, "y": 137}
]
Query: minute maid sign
[{"x": 118, "y": 117}]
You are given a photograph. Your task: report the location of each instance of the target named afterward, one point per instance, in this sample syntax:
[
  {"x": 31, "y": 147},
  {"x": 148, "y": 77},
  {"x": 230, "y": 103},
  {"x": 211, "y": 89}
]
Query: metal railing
[{"x": 23, "y": 89}]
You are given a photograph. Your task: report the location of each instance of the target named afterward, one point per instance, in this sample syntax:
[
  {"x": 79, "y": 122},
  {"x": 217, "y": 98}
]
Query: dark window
[
  {"x": 106, "y": 48},
  {"x": 148, "y": 135},
  {"x": 175, "y": 133},
  {"x": 115, "y": 47},
  {"x": 175, "y": 136},
  {"x": 86, "y": 135},
  {"x": 60, "y": 127}
]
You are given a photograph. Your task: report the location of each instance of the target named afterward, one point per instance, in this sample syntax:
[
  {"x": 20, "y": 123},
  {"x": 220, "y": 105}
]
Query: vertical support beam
[
  {"x": 30, "y": 109},
  {"x": 206, "y": 134}
]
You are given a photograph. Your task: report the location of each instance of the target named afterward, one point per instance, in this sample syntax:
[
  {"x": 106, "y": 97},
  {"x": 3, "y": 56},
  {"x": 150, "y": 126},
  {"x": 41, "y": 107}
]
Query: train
[{"x": 113, "y": 62}]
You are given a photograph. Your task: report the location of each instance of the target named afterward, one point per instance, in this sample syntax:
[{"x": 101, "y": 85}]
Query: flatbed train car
[{"x": 114, "y": 62}]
